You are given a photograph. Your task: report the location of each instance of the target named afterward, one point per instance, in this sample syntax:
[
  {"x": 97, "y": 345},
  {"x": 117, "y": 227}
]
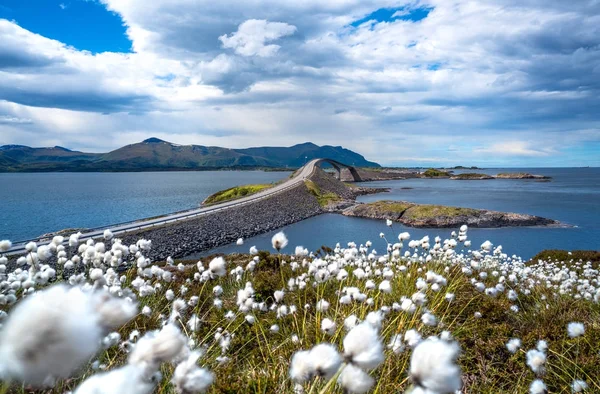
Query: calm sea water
[
  {"x": 572, "y": 197},
  {"x": 37, "y": 203},
  {"x": 33, "y": 204}
]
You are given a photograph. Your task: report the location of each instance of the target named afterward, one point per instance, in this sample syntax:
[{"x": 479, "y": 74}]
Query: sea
[{"x": 37, "y": 203}]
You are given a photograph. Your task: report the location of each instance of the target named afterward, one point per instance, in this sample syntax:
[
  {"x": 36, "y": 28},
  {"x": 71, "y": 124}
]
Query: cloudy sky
[{"x": 431, "y": 82}]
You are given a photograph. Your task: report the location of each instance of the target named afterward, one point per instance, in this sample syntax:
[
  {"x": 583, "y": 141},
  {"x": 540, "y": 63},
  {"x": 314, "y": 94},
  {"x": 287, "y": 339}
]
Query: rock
[
  {"x": 439, "y": 216},
  {"x": 520, "y": 175},
  {"x": 469, "y": 176}
]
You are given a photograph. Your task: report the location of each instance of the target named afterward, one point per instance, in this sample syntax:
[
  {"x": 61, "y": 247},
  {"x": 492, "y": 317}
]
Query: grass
[
  {"x": 565, "y": 255},
  {"x": 432, "y": 173},
  {"x": 259, "y": 359},
  {"x": 388, "y": 206},
  {"x": 414, "y": 211},
  {"x": 235, "y": 193},
  {"x": 324, "y": 198},
  {"x": 430, "y": 211},
  {"x": 513, "y": 174},
  {"x": 471, "y": 175}
]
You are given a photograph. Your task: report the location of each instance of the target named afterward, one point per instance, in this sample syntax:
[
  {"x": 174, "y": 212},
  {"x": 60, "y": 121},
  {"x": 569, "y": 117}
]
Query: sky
[{"x": 506, "y": 83}]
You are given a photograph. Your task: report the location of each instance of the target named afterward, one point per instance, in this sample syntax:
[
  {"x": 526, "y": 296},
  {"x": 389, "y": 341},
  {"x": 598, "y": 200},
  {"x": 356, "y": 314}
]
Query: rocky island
[
  {"x": 467, "y": 176},
  {"x": 439, "y": 216},
  {"x": 520, "y": 175}
]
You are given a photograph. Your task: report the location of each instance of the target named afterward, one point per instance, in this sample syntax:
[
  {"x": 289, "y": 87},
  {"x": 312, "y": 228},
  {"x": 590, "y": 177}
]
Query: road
[{"x": 118, "y": 229}]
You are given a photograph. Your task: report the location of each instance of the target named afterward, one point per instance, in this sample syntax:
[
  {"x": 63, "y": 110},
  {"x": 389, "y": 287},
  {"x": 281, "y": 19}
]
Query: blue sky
[
  {"x": 85, "y": 25},
  {"x": 421, "y": 82}
]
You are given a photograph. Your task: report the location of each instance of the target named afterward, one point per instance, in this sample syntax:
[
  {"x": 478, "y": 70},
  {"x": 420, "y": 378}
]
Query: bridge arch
[{"x": 338, "y": 168}]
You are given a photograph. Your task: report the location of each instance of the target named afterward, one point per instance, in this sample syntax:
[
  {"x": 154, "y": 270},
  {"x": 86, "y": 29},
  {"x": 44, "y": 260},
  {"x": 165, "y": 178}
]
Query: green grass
[
  {"x": 430, "y": 211},
  {"x": 513, "y": 174},
  {"x": 565, "y": 255},
  {"x": 471, "y": 175},
  {"x": 235, "y": 193},
  {"x": 324, "y": 198},
  {"x": 432, "y": 173},
  {"x": 388, "y": 206},
  {"x": 259, "y": 360}
]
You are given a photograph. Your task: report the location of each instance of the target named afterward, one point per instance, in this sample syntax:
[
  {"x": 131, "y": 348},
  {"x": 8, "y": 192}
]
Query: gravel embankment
[{"x": 206, "y": 232}]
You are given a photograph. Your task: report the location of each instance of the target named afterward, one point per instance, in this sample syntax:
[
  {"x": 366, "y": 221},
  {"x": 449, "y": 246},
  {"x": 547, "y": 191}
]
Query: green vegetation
[
  {"x": 235, "y": 193},
  {"x": 472, "y": 175},
  {"x": 465, "y": 168},
  {"x": 259, "y": 360},
  {"x": 565, "y": 255},
  {"x": 389, "y": 206},
  {"x": 431, "y": 211},
  {"x": 433, "y": 173},
  {"x": 513, "y": 174},
  {"x": 324, "y": 199}
]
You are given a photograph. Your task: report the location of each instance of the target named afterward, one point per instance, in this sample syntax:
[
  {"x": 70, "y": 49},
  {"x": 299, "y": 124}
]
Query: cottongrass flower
[
  {"x": 578, "y": 386},
  {"x": 513, "y": 345},
  {"x": 350, "y": 322},
  {"x": 412, "y": 338},
  {"x": 354, "y": 380},
  {"x": 129, "y": 379},
  {"x": 429, "y": 319},
  {"x": 54, "y": 332},
  {"x": 141, "y": 373},
  {"x": 328, "y": 326},
  {"x": 253, "y": 250},
  {"x": 322, "y": 305},
  {"x": 536, "y": 360},
  {"x": 433, "y": 366},
  {"x": 217, "y": 266},
  {"x": 537, "y": 387},
  {"x": 325, "y": 360},
  {"x": 301, "y": 366},
  {"x": 279, "y": 241},
  {"x": 363, "y": 347},
  {"x": 5, "y": 245},
  {"x": 188, "y": 378},
  {"x": 396, "y": 344},
  {"x": 108, "y": 235},
  {"x": 575, "y": 329}
]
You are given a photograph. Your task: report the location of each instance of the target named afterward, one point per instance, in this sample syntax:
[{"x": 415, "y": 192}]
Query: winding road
[{"x": 122, "y": 228}]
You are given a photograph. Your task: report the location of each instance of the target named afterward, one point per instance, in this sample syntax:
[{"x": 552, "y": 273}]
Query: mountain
[
  {"x": 298, "y": 155},
  {"x": 156, "y": 154}
]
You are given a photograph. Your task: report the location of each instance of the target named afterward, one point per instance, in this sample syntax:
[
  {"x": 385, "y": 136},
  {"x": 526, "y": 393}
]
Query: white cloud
[
  {"x": 517, "y": 148},
  {"x": 251, "y": 37},
  {"x": 282, "y": 72}
]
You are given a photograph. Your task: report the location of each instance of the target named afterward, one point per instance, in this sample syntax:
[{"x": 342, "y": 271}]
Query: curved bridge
[
  {"x": 122, "y": 228},
  {"x": 338, "y": 167}
]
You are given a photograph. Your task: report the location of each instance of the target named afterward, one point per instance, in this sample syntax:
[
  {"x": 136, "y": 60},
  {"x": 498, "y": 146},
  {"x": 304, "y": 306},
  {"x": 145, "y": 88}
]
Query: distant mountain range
[{"x": 156, "y": 154}]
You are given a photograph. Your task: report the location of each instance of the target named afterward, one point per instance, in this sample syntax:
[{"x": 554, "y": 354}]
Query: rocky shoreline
[
  {"x": 389, "y": 174},
  {"x": 439, "y": 216}
]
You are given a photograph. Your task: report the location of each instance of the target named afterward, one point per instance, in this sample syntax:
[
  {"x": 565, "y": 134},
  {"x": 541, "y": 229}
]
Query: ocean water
[
  {"x": 33, "y": 204},
  {"x": 572, "y": 197}
]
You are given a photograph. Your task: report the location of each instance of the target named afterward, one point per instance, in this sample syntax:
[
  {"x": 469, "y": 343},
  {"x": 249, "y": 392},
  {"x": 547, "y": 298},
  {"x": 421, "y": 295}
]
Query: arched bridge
[{"x": 338, "y": 168}]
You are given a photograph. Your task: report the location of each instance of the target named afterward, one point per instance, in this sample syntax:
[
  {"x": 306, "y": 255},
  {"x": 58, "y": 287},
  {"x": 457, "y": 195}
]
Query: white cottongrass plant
[
  {"x": 279, "y": 241},
  {"x": 53, "y": 332},
  {"x": 433, "y": 366},
  {"x": 575, "y": 329}
]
